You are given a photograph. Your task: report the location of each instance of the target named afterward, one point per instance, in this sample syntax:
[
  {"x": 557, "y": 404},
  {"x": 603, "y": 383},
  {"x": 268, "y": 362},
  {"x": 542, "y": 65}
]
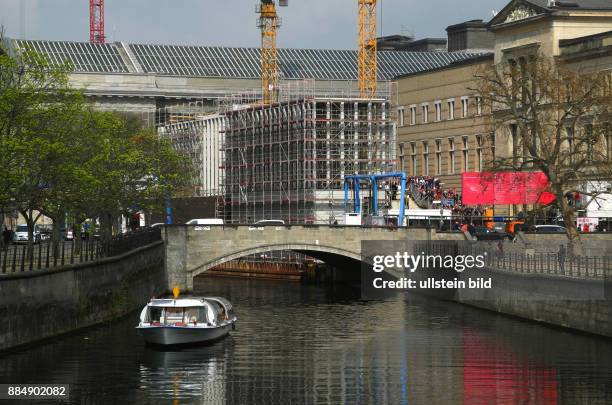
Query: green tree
[
  {"x": 60, "y": 156},
  {"x": 37, "y": 108},
  {"x": 127, "y": 166}
]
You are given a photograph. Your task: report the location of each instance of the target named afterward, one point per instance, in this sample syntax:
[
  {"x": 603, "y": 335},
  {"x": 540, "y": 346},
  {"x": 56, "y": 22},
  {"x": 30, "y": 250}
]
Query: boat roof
[
  {"x": 177, "y": 303},
  {"x": 187, "y": 302},
  {"x": 223, "y": 302}
]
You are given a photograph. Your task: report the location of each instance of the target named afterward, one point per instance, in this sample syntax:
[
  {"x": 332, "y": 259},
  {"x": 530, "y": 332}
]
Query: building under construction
[
  {"x": 197, "y": 134},
  {"x": 288, "y": 160}
]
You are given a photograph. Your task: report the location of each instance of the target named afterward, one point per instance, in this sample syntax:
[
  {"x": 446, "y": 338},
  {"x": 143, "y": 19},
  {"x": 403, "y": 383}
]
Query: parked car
[
  {"x": 205, "y": 221},
  {"x": 155, "y": 225},
  {"x": 67, "y": 234},
  {"x": 484, "y": 233},
  {"x": 549, "y": 229},
  {"x": 46, "y": 234},
  {"x": 21, "y": 234}
]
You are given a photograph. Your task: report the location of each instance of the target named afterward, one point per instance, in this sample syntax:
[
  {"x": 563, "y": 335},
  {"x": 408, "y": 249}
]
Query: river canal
[{"x": 299, "y": 344}]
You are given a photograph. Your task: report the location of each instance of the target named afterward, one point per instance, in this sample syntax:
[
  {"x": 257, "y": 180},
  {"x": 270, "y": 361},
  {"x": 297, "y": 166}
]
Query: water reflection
[
  {"x": 187, "y": 373},
  {"x": 297, "y": 344},
  {"x": 493, "y": 374}
]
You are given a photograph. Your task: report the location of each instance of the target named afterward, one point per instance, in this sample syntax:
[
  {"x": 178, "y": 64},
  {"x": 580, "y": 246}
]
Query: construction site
[
  {"x": 287, "y": 160},
  {"x": 283, "y": 153},
  {"x": 271, "y": 132}
]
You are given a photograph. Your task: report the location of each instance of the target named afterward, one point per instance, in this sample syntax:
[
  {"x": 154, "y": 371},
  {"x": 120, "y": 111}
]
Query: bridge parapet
[{"x": 192, "y": 250}]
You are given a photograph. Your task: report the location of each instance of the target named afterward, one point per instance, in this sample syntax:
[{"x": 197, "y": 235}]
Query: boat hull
[{"x": 178, "y": 335}]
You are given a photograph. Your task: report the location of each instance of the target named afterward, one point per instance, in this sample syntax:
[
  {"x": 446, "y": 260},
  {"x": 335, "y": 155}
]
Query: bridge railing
[
  {"x": 48, "y": 255},
  {"x": 560, "y": 264}
]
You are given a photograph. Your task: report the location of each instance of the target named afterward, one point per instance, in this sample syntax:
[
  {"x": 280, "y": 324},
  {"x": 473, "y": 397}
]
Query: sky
[{"x": 325, "y": 24}]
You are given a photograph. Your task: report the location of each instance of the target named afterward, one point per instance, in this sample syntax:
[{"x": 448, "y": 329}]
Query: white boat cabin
[{"x": 196, "y": 312}]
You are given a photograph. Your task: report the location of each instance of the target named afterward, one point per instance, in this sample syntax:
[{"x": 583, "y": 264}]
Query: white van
[
  {"x": 270, "y": 222},
  {"x": 21, "y": 234},
  {"x": 205, "y": 221}
]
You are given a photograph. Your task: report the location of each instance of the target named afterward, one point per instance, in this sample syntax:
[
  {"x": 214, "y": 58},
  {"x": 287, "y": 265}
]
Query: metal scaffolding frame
[{"x": 288, "y": 160}]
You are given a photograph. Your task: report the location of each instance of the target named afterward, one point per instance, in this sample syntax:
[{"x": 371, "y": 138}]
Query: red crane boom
[{"x": 96, "y": 22}]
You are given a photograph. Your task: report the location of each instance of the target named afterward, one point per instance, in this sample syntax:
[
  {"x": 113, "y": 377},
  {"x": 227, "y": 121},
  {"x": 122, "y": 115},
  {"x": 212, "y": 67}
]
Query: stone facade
[{"x": 580, "y": 37}]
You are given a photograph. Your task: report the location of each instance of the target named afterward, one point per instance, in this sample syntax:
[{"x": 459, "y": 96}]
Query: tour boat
[{"x": 175, "y": 321}]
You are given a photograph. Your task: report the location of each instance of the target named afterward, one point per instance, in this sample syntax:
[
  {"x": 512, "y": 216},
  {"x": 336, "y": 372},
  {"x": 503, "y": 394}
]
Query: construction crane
[
  {"x": 269, "y": 22},
  {"x": 367, "y": 60},
  {"x": 96, "y": 22}
]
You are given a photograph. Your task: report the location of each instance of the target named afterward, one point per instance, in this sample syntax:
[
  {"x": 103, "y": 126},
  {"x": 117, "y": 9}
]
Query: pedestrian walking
[
  {"x": 561, "y": 257},
  {"x": 7, "y": 235},
  {"x": 500, "y": 248}
]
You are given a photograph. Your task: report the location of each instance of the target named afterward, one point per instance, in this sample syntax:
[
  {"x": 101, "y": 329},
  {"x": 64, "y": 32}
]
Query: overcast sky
[{"x": 306, "y": 23}]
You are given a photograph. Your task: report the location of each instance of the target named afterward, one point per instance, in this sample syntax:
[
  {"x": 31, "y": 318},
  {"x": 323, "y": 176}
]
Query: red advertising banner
[{"x": 505, "y": 188}]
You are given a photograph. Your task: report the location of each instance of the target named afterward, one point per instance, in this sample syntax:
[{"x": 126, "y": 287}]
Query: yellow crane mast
[
  {"x": 269, "y": 22},
  {"x": 367, "y": 61}
]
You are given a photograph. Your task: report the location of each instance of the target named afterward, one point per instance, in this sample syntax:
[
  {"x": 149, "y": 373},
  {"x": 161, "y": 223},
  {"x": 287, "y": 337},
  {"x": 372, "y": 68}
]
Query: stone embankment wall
[
  {"x": 531, "y": 283},
  {"x": 580, "y": 304},
  {"x": 42, "y": 304}
]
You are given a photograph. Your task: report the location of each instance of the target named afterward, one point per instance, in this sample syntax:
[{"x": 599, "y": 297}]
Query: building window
[
  {"x": 608, "y": 145},
  {"x": 413, "y": 115},
  {"x": 401, "y": 156},
  {"x": 401, "y": 116},
  {"x": 438, "y": 156},
  {"x": 478, "y": 105},
  {"x": 413, "y": 155},
  {"x": 479, "y": 152},
  {"x": 438, "y": 105},
  {"x": 492, "y": 146},
  {"x": 451, "y": 109},
  {"x": 425, "y": 158},
  {"x": 451, "y": 155},
  {"x": 425, "y": 113},
  {"x": 466, "y": 164},
  {"x": 464, "y": 107}
]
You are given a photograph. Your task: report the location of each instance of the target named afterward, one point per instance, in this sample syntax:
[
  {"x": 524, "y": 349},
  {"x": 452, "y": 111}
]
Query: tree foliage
[
  {"x": 60, "y": 157},
  {"x": 556, "y": 120}
]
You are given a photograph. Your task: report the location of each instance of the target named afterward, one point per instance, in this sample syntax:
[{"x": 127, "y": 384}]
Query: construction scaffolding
[
  {"x": 196, "y": 132},
  {"x": 288, "y": 160}
]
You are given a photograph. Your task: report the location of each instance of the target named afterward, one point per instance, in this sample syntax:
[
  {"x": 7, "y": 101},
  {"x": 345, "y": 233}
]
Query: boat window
[
  {"x": 197, "y": 315},
  {"x": 174, "y": 315},
  {"x": 155, "y": 314},
  {"x": 220, "y": 311}
]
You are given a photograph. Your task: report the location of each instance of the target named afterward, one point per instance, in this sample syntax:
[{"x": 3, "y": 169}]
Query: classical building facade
[{"x": 442, "y": 121}]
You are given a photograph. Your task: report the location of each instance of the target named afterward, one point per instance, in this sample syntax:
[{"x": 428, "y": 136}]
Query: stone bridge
[{"x": 192, "y": 250}]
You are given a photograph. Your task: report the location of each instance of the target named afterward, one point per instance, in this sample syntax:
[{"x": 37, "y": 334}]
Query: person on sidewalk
[
  {"x": 7, "y": 235},
  {"x": 561, "y": 257}
]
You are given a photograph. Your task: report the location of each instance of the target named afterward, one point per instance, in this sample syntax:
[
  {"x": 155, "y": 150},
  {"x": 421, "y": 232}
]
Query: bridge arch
[{"x": 321, "y": 252}]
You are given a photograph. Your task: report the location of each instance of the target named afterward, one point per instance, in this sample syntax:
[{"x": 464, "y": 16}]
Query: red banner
[{"x": 505, "y": 188}]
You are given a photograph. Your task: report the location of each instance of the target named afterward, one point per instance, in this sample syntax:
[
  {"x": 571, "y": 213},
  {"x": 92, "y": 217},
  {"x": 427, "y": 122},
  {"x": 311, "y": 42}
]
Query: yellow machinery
[
  {"x": 367, "y": 58},
  {"x": 269, "y": 22}
]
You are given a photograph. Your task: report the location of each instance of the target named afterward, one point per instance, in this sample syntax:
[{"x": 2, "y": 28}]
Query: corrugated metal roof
[
  {"x": 84, "y": 56},
  {"x": 240, "y": 63}
]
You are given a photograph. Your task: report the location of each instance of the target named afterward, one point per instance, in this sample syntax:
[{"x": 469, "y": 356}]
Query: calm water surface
[{"x": 305, "y": 345}]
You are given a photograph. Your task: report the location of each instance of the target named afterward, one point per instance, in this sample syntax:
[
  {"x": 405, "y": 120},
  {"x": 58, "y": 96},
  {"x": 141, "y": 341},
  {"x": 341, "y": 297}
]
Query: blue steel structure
[{"x": 374, "y": 179}]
